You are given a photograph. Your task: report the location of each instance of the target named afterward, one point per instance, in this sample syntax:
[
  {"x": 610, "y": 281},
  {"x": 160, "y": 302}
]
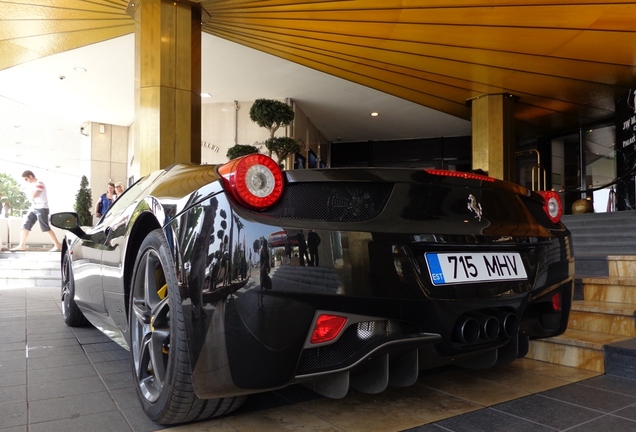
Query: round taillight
[
  {"x": 255, "y": 180},
  {"x": 552, "y": 205}
]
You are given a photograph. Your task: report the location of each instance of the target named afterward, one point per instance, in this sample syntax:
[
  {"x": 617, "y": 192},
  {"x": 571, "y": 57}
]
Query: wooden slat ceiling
[
  {"x": 32, "y": 29},
  {"x": 566, "y": 62}
]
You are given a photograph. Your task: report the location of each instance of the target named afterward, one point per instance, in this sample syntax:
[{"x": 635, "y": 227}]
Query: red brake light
[
  {"x": 556, "y": 302},
  {"x": 459, "y": 174},
  {"x": 255, "y": 180},
  {"x": 552, "y": 206},
  {"x": 327, "y": 328}
]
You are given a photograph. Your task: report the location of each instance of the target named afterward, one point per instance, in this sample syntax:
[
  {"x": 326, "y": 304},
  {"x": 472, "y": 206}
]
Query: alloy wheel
[{"x": 150, "y": 326}]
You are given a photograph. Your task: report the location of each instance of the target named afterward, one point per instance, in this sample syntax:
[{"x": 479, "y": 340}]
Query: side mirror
[{"x": 67, "y": 221}]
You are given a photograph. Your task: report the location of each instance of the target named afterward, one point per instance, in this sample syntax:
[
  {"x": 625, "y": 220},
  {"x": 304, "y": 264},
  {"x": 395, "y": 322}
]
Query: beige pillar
[
  {"x": 167, "y": 83},
  {"x": 108, "y": 156},
  {"x": 493, "y": 135}
]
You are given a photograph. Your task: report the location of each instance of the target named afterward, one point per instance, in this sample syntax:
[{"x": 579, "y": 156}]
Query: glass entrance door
[{"x": 600, "y": 166}]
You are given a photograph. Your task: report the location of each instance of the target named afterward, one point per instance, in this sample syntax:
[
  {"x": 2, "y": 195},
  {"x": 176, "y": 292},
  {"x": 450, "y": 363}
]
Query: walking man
[
  {"x": 302, "y": 248},
  {"x": 313, "y": 241},
  {"x": 39, "y": 211}
]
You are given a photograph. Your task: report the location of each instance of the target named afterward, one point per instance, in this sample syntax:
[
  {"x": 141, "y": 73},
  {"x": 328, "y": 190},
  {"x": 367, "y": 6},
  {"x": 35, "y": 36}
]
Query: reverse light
[
  {"x": 255, "y": 180},
  {"x": 552, "y": 206},
  {"x": 327, "y": 328},
  {"x": 459, "y": 174}
]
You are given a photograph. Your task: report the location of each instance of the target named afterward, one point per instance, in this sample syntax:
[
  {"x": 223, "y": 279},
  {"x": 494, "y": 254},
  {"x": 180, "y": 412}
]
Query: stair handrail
[{"x": 537, "y": 172}]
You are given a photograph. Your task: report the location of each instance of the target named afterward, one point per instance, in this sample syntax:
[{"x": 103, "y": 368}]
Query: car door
[
  {"x": 112, "y": 267},
  {"x": 87, "y": 269},
  {"x": 115, "y": 229}
]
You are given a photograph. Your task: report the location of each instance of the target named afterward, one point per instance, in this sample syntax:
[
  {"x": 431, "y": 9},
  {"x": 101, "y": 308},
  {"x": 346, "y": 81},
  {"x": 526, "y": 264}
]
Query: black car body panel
[{"x": 376, "y": 228}]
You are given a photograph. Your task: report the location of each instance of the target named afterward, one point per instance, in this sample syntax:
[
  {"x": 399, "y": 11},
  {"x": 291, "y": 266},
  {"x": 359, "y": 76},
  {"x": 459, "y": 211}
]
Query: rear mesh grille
[
  {"x": 348, "y": 202},
  {"x": 351, "y": 344}
]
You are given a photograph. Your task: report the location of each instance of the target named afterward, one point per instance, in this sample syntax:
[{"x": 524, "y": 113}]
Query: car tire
[
  {"x": 73, "y": 317},
  {"x": 160, "y": 360}
]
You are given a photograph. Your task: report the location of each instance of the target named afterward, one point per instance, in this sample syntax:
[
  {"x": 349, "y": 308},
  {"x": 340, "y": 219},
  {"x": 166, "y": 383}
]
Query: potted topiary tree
[
  {"x": 84, "y": 203},
  {"x": 272, "y": 115},
  {"x": 239, "y": 150}
]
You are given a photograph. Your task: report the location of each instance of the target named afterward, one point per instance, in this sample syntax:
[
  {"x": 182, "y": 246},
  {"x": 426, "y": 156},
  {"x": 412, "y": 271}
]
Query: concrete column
[
  {"x": 493, "y": 135},
  {"x": 104, "y": 157},
  {"x": 167, "y": 83}
]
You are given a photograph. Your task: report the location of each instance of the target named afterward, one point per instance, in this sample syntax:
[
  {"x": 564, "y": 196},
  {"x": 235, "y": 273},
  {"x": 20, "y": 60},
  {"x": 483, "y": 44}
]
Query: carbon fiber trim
[{"x": 337, "y": 202}]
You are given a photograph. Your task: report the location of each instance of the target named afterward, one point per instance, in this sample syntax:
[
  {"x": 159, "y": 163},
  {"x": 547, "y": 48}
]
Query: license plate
[{"x": 454, "y": 268}]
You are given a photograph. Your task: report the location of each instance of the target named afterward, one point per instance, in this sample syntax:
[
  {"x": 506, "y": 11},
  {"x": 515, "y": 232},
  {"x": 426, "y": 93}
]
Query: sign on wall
[{"x": 626, "y": 150}]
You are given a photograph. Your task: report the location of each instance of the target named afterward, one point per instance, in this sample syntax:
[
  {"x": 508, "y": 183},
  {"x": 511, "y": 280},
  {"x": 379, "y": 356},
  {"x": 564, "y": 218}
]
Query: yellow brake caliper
[{"x": 163, "y": 291}]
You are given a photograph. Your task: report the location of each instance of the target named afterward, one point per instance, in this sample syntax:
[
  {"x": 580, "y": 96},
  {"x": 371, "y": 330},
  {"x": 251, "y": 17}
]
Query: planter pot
[{"x": 582, "y": 206}]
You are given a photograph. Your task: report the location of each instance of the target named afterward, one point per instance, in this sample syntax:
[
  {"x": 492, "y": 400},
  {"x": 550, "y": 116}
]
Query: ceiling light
[
  {"x": 79, "y": 69},
  {"x": 206, "y": 95},
  {"x": 375, "y": 114}
]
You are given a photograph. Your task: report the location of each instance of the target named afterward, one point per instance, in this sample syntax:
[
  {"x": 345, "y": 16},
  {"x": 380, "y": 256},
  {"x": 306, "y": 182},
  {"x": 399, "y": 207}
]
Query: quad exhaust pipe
[
  {"x": 466, "y": 330},
  {"x": 473, "y": 327},
  {"x": 508, "y": 323}
]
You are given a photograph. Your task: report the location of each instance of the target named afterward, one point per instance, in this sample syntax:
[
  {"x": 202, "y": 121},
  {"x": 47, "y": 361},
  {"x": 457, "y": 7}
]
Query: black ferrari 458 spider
[{"x": 239, "y": 278}]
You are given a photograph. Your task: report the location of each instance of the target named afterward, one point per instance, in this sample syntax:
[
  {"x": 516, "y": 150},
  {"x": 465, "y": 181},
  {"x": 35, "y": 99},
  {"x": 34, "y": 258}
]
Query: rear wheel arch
[{"x": 159, "y": 352}]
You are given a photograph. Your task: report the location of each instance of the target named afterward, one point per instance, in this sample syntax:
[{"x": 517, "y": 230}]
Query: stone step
[
  {"x": 591, "y": 266},
  {"x": 582, "y": 245},
  {"x": 622, "y": 266},
  {"x": 30, "y": 255},
  {"x": 608, "y": 266},
  {"x": 601, "y": 332},
  {"x": 20, "y": 264},
  {"x": 21, "y": 273},
  {"x": 603, "y": 317},
  {"x": 29, "y": 268},
  {"x": 575, "y": 348},
  {"x": 602, "y": 233},
  {"x": 29, "y": 281},
  {"x": 599, "y": 221},
  {"x": 611, "y": 290}
]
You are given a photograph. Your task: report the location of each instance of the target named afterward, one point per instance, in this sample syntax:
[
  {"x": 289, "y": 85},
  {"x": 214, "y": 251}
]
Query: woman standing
[
  {"x": 119, "y": 189},
  {"x": 105, "y": 200}
]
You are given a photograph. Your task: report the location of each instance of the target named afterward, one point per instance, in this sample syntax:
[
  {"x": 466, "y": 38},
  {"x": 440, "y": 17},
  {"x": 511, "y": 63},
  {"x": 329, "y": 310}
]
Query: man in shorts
[{"x": 39, "y": 212}]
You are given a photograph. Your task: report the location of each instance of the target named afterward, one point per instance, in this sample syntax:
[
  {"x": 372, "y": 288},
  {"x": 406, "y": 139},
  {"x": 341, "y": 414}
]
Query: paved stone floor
[{"x": 55, "y": 378}]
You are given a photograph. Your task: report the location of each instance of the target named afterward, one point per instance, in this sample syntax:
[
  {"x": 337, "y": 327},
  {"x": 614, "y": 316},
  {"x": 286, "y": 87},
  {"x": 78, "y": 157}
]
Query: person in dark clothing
[
  {"x": 302, "y": 247},
  {"x": 288, "y": 247},
  {"x": 265, "y": 280},
  {"x": 313, "y": 241},
  {"x": 105, "y": 200}
]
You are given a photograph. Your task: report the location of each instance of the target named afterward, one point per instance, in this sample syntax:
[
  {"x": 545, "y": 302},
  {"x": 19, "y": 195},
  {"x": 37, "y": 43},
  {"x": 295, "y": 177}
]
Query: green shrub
[
  {"x": 239, "y": 150},
  {"x": 84, "y": 203}
]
